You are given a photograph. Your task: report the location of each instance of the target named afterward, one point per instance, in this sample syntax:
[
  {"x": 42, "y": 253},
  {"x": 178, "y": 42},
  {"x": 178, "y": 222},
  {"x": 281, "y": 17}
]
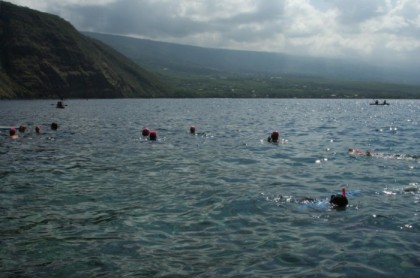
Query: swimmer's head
[
  {"x": 351, "y": 150},
  {"x": 54, "y": 126},
  {"x": 192, "y": 129},
  {"x": 339, "y": 200},
  {"x": 274, "y": 136},
  {"x": 22, "y": 128},
  {"x": 12, "y": 131},
  {"x": 145, "y": 132},
  {"x": 37, "y": 129},
  {"x": 153, "y": 135},
  {"x": 368, "y": 153}
]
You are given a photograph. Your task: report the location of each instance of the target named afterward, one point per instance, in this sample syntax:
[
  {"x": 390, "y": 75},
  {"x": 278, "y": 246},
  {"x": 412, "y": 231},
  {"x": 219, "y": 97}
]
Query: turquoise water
[{"x": 96, "y": 199}]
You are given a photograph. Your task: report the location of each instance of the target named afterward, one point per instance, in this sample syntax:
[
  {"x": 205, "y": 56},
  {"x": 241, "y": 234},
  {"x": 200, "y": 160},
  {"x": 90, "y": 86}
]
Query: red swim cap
[
  {"x": 12, "y": 131},
  {"x": 153, "y": 135},
  {"x": 145, "y": 132},
  {"x": 275, "y": 136}
]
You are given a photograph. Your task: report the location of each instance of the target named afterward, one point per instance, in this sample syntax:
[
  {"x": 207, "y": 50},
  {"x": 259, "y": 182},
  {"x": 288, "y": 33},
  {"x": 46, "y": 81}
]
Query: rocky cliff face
[{"x": 43, "y": 56}]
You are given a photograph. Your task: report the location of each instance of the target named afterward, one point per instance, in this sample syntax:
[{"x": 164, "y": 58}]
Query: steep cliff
[{"x": 43, "y": 56}]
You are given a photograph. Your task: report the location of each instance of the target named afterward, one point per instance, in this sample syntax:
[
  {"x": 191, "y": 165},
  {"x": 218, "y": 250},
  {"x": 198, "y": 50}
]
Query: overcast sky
[{"x": 374, "y": 30}]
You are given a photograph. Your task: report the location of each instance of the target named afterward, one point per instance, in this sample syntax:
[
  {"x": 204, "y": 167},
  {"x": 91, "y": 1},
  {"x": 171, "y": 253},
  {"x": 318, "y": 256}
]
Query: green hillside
[
  {"x": 205, "y": 72},
  {"x": 43, "y": 56}
]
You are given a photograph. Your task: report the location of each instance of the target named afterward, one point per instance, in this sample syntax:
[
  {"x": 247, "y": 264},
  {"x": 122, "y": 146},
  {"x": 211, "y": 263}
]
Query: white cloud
[
  {"x": 45, "y": 5},
  {"x": 362, "y": 29}
]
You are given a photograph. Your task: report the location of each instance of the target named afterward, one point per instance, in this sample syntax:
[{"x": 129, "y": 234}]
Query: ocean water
[{"x": 95, "y": 198}]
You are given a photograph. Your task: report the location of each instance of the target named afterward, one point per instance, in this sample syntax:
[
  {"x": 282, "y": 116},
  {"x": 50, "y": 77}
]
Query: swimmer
[
  {"x": 37, "y": 129},
  {"x": 54, "y": 126},
  {"x": 22, "y": 128},
  {"x": 153, "y": 135},
  {"x": 12, "y": 133},
  {"x": 145, "y": 132},
  {"x": 339, "y": 200},
  {"x": 274, "y": 137},
  {"x": 382, "y": 155},
  {"x": 192, "y": 129},
  {"x": 360, "y": 152}
]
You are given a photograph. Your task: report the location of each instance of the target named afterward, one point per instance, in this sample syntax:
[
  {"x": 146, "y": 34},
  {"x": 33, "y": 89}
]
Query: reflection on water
[{"x": 95, "y": 198}]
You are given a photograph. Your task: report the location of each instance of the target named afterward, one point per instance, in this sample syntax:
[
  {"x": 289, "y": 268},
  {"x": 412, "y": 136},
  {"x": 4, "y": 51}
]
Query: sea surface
[{"x": 95, "y": 198}]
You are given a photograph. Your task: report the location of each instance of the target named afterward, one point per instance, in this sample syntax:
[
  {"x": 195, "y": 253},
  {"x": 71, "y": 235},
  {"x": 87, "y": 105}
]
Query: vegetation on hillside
[
  {"x": 202, "y": 72},
  {"x": 262, "y": 86}
]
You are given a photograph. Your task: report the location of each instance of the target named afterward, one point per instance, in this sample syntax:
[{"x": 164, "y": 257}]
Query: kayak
[{"x": 60, "y": 105}]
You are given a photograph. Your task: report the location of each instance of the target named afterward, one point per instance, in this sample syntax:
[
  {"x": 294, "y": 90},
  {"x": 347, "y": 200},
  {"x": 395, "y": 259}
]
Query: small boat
[
  {"x": 377, "y": 103},
  {"x": 60, "y": 104}
]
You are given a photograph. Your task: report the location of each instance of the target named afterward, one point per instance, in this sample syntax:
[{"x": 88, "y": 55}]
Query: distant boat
[
  {"x": 60, "y": 104},
  {"x": 378, "y": 103}
]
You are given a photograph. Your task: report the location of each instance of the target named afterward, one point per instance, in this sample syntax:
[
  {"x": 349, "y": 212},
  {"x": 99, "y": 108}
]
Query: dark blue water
[{"x": 95, "y": 199}]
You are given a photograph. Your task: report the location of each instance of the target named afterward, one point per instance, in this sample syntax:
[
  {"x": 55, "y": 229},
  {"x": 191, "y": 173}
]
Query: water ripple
[{"x": 96, "y": 199}]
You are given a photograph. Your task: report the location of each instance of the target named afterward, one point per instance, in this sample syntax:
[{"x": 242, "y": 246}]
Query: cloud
[
  {"x": 359, "y": 29},
  {"x": 356, "y": 11}
]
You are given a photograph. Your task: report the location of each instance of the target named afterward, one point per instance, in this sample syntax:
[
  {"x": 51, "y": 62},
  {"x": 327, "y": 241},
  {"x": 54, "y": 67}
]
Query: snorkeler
[
  {"x": 274, "y": 137},
  {"x": 336, "y": 201},
  {"x": 339, "y": 200}
]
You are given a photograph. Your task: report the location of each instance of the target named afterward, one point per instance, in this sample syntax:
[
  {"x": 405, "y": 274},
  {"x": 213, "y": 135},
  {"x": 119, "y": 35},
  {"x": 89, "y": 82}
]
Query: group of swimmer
[
  {"x": 152, "y": 134},
  {"x": 338, "y": 201},
  {"x": 22, "y": 129},
  {"x": 148, "y": 134}
]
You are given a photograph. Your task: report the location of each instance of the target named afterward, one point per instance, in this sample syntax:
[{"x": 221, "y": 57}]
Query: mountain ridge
[
  {"x": 44, "y": 56},
  {"x": 153, "y": 54}
]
